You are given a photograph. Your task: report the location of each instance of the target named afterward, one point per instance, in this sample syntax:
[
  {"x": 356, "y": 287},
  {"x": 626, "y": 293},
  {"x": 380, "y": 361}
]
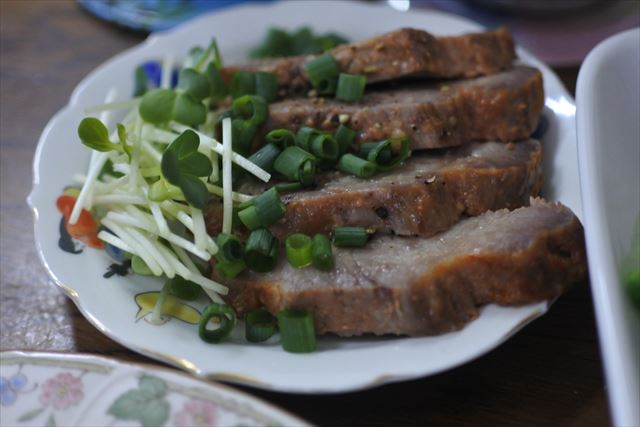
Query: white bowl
[{"x": 608, "y": 124}]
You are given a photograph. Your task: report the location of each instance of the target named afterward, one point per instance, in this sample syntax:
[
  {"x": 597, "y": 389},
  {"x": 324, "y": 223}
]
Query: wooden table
[{"x": 548, "y": 374}]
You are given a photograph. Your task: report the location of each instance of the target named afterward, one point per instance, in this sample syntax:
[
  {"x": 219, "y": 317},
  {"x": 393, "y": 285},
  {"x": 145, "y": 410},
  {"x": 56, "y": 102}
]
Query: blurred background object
[
  {"x": 153, "y": 15},
  {"x": 559, "y": 32}
]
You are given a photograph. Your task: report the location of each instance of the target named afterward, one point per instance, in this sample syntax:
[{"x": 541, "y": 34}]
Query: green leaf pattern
[
  {"x": 146, "y": 404},
  {"x": 31, "y": 415}
]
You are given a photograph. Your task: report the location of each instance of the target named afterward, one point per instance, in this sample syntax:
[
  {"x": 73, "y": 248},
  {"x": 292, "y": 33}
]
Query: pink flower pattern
[
  {"x": 196, "y": 413},
  {"x": 62, "y": 391}
]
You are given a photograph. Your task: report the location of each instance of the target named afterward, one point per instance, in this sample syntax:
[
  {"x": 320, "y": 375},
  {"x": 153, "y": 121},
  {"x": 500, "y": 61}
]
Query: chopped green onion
[
  {"x": 260, "y": 325},
  {"x": 351, "y": 237},
  {"x": 350, "y": 87},
  {"x": 216, "y": 83},
  {"x": 267, "y": 208},
  {"x": 227, "y": 320},
  {"x": 242, "y": 83},
  {"x": 229, "y": 270},
  {"x": 267, "y": 86},
  {"x": 250, "y": 218},
  {"x": 191, "y": 81},
  {"x": 308, "y": 173},
  {"x": 377, "y": 152},
  {"x": 279, "y": 42},
  {"x": 305, "y": 136},
  {"x": 184, "y": 289},
  {"x": 266, "y": 157},
  {"x": 251, "y": 108},
  {"x": 321, "y": 68},
  {"x": 321, "y": 253},
  {"x": 261, "y": 251},
  {"x": 399, "y": 147},
  {"x": 325, "y": 147},
  {"x": 276, "y": 43},
  {"x": 140, "y": 267},
  {"x": 283, "y": 138},
  {"x": 242, "y": 135},
  {"x": 298, "y": 248},
  {"x": 229, "y": 248},
  {"x": 354, "y": 165},
  {"x": 296, "y": 164},
  {"x": 327, "y": 86},
  {"x": 288, "y": 186},
  {"x": 382, "y": 153},
  {"x": 344, "y": 136},
  {"x": 297, "y": 331}
]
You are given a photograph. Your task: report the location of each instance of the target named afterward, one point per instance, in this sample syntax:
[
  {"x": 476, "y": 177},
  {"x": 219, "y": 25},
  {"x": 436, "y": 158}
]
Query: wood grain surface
[{"x": 548, "y": 374}]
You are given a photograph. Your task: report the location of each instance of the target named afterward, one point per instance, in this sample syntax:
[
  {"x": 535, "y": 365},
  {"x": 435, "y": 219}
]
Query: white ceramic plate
[
  {"x": 57, "y": 389},
  {"x": 339, "y": 364},
  {"x": 609, "y": 132}
]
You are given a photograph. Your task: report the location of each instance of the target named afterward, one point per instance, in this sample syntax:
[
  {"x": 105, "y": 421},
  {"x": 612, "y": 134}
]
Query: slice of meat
[
  {"x": 502, "y": 107},
  {"x": 401, "y": 53},
  {"x": 414, "y": 286},
  {"x": 428, "y": 194}
]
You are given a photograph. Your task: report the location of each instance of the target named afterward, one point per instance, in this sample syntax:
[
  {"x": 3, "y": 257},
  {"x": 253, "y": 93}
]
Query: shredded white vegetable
[
  {"x": 199, "y": 228},
  {"x": 115, "y": 241},
  {"x": 227, "y": 190},
  {"x": 237, "y": 197},
  {"x": 137, "y": 247},
  {"x": 107, "y": 199},
  {"x": 167, "y": 72},
  {"x": 135, "y": 158},
  {"x": 144, "y": 227},
  {"x": 109, "y": 105}
]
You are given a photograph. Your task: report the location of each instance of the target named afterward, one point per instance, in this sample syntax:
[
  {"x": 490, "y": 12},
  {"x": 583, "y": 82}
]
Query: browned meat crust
[
  {"x": 401, "y": 53},
  {"x": 430, "y": 286},
  {"x": 501, "y": 107},
  {"x": 428, "y": 194}
]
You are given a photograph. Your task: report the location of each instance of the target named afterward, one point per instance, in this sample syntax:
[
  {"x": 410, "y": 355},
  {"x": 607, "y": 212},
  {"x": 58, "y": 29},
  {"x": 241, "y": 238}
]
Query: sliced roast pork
[
  {"x": 502, "y": 107},
  {"x": 401, "y": 53},
  {"x": 416, "y": 286},
  {"x": 428, "y": 194}
]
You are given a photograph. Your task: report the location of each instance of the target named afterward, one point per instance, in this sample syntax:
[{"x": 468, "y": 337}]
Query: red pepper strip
[{"x": 85, "y": 229}]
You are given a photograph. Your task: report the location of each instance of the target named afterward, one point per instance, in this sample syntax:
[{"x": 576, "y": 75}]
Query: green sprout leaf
[
  {"x": 195, "y": 55},
  {"x": 156, "y": 106},
  {"x": 141, "y": 82},
  {"x": 182, "y": 164},
  {"x": 193, "y": 82},
  {"x": 122, "y": 136},
  {"x": 94, "y": 134},
  {"x": 162, "y": 105},
  {"x": 188, "y": 110},
  {"x": 195, "y": 191},
  {"x": 122, "y": 133}
]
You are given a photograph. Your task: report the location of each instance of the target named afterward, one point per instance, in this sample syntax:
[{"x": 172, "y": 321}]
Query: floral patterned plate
[
  {"x": 56, "y": 389},
  {"x": 118, "y": 305}
]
